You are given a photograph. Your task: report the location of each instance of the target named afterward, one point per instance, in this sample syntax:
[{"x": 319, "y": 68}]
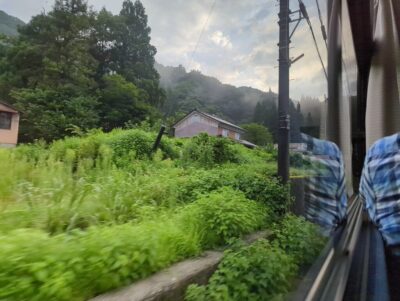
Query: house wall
[
  {"x": 9, "y": 138},
  {"x": 194, "y": 125},
  {"x": 231, "y": 133}
]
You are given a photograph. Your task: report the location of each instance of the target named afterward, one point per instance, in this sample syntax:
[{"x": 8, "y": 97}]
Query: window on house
[
  {"x": 224, "y": 133},
  {"x": 237, "y": 136},
  {"x": 5, "y": 120}
]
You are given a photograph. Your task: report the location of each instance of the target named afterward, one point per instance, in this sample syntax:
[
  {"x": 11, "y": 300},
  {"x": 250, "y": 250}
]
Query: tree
[
  {"x": 257, "y": 134},
  {"x": 266, "y": 113},
  {"x": 103, "y": 41},
  {"x": 58, "y": 42},
  {"x": 134, "y": 55},
  {"x": 61, "y": 71},
  {"x": 47, "y": 72},
  {"x": 48, "y": 114},
  {"x": 122, "y": 102}
]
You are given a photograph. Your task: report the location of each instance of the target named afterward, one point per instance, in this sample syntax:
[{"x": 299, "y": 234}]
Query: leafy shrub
[
  {"x": 252, "y": 179},
  {"x": 299, "y": 238},
  {"x": 266, "y": 190},
  {"x": 223, "y": 215},
  {"x": 264, "y": 270},
  {"x": 207, "y": 151},
  {"x": 257, "y": 272}
]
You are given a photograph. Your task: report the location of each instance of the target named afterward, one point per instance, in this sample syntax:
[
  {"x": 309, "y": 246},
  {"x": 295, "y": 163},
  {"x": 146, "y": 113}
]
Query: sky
[{"x": 233, "y": 40}]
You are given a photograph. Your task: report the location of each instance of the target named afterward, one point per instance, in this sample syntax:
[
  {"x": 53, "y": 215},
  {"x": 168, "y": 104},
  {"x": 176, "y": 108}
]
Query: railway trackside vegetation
[
  {"x": 84, "y": 215},
  {"x": 265, "y": 270},
  {"x": 87, "y": 214}
]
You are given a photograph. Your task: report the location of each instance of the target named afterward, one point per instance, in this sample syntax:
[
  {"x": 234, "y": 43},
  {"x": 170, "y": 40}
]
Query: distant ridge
[
  {"x": 189, "y": 90},
  {"x": 9, "y": 24}
]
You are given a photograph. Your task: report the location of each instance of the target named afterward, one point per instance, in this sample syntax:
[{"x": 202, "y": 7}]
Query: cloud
[
  {"x": 237, "y": 42},
  {"x": 221, "y": 40}
]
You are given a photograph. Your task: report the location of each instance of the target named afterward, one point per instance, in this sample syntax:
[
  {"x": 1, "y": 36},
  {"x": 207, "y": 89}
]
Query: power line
[
  {"x": 201, "y": 33},
  {"x": 323, "y": 30},
  {"x": 305, "y": 14}
]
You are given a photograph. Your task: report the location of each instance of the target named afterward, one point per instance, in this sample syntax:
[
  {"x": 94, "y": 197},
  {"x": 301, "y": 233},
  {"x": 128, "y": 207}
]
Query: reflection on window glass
[{"x": 325, "y": 200}]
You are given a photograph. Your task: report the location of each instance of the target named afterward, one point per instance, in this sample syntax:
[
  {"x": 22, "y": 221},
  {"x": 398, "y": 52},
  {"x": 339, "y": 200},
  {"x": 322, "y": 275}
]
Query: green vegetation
[
  {"x": 75, "y": 67},
  {"x": 257, "y": 134},
  {"x": 299, "y": 239},
  {"x": 264, "y": 270},
  {"x": 79, "y": 265},
  {"x": 87, "y": 214},
  {"x": 256, "y": 272}
]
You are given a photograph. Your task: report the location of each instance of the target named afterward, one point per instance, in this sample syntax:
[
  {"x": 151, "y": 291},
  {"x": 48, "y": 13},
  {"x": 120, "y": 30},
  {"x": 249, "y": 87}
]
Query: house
[
  {"x": 9, "y": 125},
  {"x": 197, "y": 122}
]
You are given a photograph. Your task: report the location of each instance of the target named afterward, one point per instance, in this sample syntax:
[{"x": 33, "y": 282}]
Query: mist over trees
[
  {"x": 73, "y": 66},
  {"x": 189, "y": 90},
  {"x": 9, "y": 24},
  {"x": 192, "y": 90}
]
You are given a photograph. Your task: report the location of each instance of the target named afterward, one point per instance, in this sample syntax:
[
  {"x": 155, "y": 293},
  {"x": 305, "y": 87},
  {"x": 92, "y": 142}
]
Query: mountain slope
[
  {"x": 192, "y": 90},
  {"x": 189, "y": 90},
  {"x": 9, "y": 24}
]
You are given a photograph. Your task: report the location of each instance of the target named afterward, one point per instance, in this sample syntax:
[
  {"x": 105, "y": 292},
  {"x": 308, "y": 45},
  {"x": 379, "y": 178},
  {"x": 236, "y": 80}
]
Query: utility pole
[
  {"x": 283, "y": 100},
  {"x": 284, "y": 65}
]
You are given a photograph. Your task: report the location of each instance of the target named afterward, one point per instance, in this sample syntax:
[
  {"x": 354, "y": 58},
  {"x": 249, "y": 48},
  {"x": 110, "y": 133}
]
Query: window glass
[
  {"x": 5, "y": 120},
  {"x": 224, "y": 133}
]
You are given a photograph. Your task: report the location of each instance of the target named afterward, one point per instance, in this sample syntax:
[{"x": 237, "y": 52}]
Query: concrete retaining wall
[{"x": 171, "y": 284}]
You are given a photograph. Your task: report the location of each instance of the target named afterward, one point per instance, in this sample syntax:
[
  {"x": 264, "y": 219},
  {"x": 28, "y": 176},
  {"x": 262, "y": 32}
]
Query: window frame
[{"x": 6, "y": 122}]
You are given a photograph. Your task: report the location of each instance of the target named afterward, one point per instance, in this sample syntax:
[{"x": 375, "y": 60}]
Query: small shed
[
  {"x": 9, "y": 125},
  {"x": 197, "y": 122}
]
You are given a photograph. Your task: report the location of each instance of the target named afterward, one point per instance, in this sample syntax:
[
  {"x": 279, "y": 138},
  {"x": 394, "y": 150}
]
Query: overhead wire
[
  {"x": 201, "y": 33},
  {"x": 305, "y": 14},
  {"x": 323, "y": 30}
]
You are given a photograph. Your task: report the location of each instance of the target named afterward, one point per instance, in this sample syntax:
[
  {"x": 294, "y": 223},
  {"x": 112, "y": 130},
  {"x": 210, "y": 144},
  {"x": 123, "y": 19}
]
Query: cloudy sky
[{"x": 236, "y": 39}]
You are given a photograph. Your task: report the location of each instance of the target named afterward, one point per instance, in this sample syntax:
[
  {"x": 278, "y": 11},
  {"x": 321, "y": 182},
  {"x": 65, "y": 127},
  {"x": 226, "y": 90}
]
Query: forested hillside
[
  {"x": 189, "y": 90},
  {"x": 9, "y": 24}
]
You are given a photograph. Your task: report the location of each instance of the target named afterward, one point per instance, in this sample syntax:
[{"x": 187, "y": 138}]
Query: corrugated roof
[{"x": 220, "y": 120}]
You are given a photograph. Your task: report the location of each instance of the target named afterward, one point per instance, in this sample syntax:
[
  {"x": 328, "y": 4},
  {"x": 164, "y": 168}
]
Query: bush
[
  {"x": 223, "y": 215},
  {"x": 264, "y": 270},
  {"x": 207, "y": 151},
  {"x": 256, "y": 272},
  {"x": 266, "y": 190},
  {"x": 251, "y": 179},
  {"x": 299, "y": 238}
]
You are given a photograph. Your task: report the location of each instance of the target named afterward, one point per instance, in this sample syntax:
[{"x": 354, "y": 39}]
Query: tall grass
[
  {"x": 106, "y": 179},
  {"x": 81, "y": 264}
]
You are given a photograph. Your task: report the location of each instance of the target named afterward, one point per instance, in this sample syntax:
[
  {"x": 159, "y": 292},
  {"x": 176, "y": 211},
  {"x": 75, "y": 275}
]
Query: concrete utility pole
[{"x": 283, "y": 106}]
